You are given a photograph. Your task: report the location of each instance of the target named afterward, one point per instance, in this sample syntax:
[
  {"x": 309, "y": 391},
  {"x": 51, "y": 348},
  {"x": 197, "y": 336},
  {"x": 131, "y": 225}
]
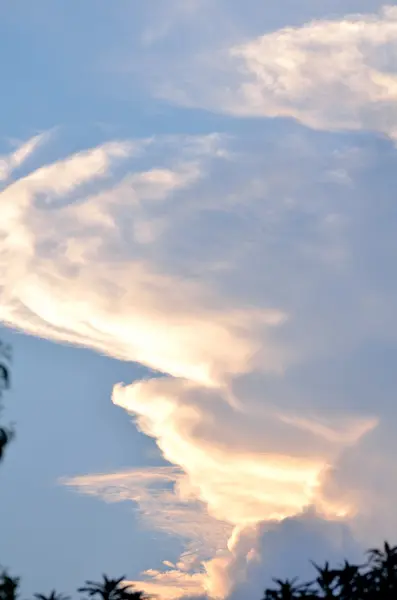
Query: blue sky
[
  {"x": 66, "y": 426},
  {"x": 198, "y": 201}
]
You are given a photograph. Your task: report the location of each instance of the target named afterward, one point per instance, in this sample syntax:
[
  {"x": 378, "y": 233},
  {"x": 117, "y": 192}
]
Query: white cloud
[
  {"x": 328, "y": 73},
  {"x": 259, "y": 277},
  {"x": 10, "y": 162}
]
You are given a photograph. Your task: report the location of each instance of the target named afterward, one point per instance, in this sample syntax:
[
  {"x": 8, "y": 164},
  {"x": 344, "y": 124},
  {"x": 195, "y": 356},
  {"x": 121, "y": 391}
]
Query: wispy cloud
[
  {"x": 10, "y": 162},
  {"x": 329, "y": 73}
]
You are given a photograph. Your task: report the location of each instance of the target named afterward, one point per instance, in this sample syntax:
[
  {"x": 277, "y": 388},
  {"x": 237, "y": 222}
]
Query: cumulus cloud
[{"x": 251, "y": 274}]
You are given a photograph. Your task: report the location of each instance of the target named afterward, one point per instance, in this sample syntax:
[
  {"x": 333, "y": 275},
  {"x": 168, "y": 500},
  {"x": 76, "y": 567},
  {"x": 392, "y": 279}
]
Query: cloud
[
  {"x": 327, "y": 73},
  {"x": 160, "y": 496},
  {"x": 90, "y": 227},
  {"x": 241, "y": 471},
  {"x": 173, "y": 583},
  {"x": 251, "y": 274},
  {"x": 283, "y": 550},
  {"x": 10, "y": 162}
]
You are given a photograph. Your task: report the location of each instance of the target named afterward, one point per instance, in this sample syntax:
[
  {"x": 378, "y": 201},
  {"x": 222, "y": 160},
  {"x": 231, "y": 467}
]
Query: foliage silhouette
[
  {"x": 53, "y": 595},
  {"x": 111, "y": 589},
  {"x": 6, "y": 434},
  {"x": 8, "y": 586},
  {"x": 108, "y": 589},
  {"x": 287, "y": 589},
  {"x": 376, "y": 579}
]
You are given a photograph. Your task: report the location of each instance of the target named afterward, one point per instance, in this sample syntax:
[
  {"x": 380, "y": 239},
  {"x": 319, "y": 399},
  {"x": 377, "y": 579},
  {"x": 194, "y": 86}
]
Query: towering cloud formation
[{"x": 252, "y": 276}]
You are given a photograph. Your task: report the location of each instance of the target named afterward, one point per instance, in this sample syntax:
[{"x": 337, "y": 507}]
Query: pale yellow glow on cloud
[
  {"x": 159, "y": 320},
  {"x": 238, "y": 486},
  {"x": 172, "y": 583}
]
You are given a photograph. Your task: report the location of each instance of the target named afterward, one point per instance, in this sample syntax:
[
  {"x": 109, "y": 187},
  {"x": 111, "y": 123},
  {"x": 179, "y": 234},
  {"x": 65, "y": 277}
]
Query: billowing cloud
[
  {"x": 251, "y": 274},
  {"x": 241, "y": 470},
  {"x": 279, "y": 549}
]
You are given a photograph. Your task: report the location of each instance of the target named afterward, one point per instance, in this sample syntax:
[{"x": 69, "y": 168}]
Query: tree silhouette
[
  {"x": 287, "y": 589},
  {"x": 4, "y": 378},
  {"x": 326, "y": 580},
  {"x": 6, "y": 434},
  {"x": 128, "y": 593},
  {"x": 108, "y": 589},
  {"x": 350, "y": 581},
  {"x": 53, "y": 595},
  {"x": 8, "y": 586},
  {"x": 374, "y": 580},
  {"x": 111, "y": 589}
]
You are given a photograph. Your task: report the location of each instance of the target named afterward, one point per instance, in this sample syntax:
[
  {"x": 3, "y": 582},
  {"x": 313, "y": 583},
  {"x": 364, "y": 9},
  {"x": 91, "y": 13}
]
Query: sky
[{"x": 197, "y": 276}]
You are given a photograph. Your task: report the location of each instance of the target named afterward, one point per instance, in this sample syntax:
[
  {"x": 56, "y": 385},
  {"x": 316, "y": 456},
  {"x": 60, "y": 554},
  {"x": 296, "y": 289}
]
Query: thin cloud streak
[
  {"x": 10, "y": 162},
  {"x": 160, "y": 496}
]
